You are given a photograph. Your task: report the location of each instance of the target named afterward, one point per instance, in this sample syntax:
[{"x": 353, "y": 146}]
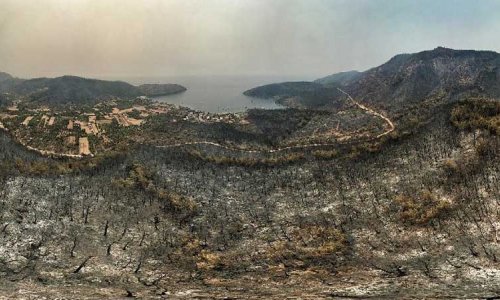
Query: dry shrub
[
  {"x": 451, "y": 166},
  {"x": 462, "y": 166},
  {"x": 310, "y": 245},
  {"x": 477, "y": 114},
  {"x": 209, "y": 261},
  {"x": 249, "y": 161},
  {"x": 176, "y": 202},
  {"x": 355, "y": 153},
  {"x": 487, "y": 146},
  {"x": 141, "y": 179},
  {"x": 421, "y": 209},
  {"x": 325, "y": 154},
  {"x": 318, "y": 241},
  {"x": 304, "y": 248}
]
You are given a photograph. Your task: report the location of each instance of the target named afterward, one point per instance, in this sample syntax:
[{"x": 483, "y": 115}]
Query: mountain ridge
[
  {"x": 340, "y": 77},
  {"x": 405, "y": 79},
  {"x": 69, "y": 89}
]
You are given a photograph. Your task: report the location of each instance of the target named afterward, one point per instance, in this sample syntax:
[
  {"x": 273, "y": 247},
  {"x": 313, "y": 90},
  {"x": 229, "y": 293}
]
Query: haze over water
[
  {"x": 216, "y": 93},
  {"x": 92, "y": 38}
]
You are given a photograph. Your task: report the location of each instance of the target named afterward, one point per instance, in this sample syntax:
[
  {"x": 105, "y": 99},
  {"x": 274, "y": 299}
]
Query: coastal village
[{"x": 79, "y": 130}]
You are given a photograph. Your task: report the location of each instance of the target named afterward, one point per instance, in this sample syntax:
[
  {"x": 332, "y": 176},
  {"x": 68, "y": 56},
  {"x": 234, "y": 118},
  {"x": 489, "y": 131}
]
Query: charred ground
[{"x": 411, "y": 214}]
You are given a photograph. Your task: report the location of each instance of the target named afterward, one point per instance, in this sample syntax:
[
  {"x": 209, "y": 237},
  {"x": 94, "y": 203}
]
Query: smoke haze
[{"x": 231, "y": 37}]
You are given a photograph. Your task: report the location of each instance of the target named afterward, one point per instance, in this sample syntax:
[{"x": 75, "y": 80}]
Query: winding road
[
  {"x": 392, "y": 127},
  {"x": 371, "y": 111}
]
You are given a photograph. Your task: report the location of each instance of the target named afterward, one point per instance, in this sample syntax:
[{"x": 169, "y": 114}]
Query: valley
[
  {"x": 65, "y": 132},
  {"x": 375, "y": 184}
]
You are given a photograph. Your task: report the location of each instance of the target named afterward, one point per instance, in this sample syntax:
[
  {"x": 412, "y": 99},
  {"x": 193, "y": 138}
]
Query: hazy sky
[{"x": 246, "y": 37}]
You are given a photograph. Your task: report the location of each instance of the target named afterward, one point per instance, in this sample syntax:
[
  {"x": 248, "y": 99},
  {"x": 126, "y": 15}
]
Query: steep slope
[
  {"x": 339, "y": 78},
  {"x": 297, "y": 94},
  {"x": 4, "y": 100},
  {"x": 406, "y": 80},
  {"x": 409, "y": 79},
  {"x": 7, "y": 81},
  {"x": 417, "y": 218},
  {"x": 5, "y": 76}
]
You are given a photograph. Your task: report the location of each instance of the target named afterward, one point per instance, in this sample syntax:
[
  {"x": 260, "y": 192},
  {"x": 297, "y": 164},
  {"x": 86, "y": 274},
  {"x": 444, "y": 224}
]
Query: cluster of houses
[
  {"x": 92, "y": 122},
  {"x": 205, "y": 117}
]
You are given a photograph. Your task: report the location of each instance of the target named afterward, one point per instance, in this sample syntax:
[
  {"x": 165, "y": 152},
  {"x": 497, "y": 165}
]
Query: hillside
[
  {"x": 153, "y": 90},
  {"x": 415, "y": 217},
  {"x": 5, "y": 76},
  {"x": 406, "y": 80},
  {"x": 78, "y": 90},
  {"x": 339, "y": 78},
  {"x": 6, "y": 99},
  {"x": 384, "y": 185},
  {"x": 7, "y": 82},
  {"x": 297, "y": 94},
  {"x": 409, "y": 79}
]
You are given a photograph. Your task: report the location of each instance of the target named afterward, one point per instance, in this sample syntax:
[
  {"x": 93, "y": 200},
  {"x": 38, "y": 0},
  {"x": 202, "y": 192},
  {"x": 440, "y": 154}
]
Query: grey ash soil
[
  {"x": 247, "y": 221},
  {"x": 411, "y": 214}
]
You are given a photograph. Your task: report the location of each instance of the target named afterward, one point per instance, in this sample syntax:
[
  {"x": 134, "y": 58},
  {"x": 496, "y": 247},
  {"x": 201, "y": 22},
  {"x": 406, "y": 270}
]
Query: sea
[{"x": 216, "y": 94}]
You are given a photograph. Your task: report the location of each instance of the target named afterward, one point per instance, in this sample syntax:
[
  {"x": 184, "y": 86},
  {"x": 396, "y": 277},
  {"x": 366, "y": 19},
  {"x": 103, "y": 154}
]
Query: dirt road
[
  {"x": 371, "y": 111},
  {"x": 392, "y": 127}
]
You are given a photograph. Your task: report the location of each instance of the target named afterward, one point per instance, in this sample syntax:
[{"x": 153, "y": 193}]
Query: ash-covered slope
[
  {"x": 340, "y": 78},
  {"x": 408, "y": 79},
  {"x": 419, "y": 217},
  {"x": 411, "y": 78}
]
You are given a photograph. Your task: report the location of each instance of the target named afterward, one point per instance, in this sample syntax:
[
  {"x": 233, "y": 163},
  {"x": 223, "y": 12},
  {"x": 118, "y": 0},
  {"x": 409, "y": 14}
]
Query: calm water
[{"x": 216, "y": 93}]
